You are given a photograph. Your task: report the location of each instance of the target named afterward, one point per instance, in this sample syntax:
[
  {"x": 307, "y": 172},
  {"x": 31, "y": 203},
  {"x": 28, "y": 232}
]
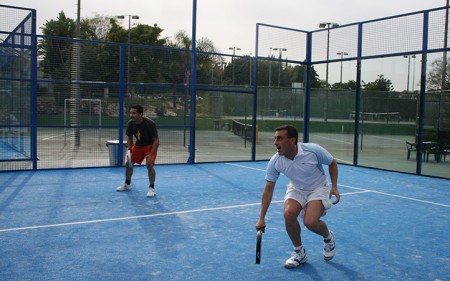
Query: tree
[
  {"x": 100, "y": 25},
  {"x": 140, "y": 34},
  {"x": 434, "y": 78},
  {"x": 144, "y": 63},
  {"x": 55, "y": 53},
  {"x": 438, "y": 79},
  {"x": 241, "y": 68},
  {"x": 289, "y": 73},
  {"x": 180, "y": 63},
  {"x": 380, "y": 84},
  {"x": 350, "y": 85},
  {"x": 99, "y": 62}
]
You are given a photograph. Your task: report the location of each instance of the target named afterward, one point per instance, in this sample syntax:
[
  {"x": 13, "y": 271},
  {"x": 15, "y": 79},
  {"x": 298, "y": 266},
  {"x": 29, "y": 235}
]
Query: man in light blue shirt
[{"x": 307, "y": 193}]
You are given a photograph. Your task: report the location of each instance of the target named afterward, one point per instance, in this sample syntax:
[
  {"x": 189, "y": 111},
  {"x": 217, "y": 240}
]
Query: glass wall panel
[
  {"x": 332, "y": 109},
  {"x": 223, "y": 126},
  {"x": 277, "y": 106},
  {"x": 280, "y": 101},
  {"x": 436, "y": 145},
  {"x": 388, "y": 114}
]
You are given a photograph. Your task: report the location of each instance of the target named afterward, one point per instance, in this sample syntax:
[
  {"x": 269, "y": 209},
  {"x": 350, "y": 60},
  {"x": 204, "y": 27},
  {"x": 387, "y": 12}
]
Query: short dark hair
[
  {"x": 292, "y": 132},
  {"x": 138, "y": 107}
]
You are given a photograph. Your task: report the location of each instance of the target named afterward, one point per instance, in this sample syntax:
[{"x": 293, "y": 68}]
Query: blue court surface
[{"x": 73, "y": 225}]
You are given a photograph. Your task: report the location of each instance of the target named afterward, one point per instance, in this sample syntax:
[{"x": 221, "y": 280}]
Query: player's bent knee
[
  {"x": 289, "y": 216},
  {"x": 310, "y": 223}
]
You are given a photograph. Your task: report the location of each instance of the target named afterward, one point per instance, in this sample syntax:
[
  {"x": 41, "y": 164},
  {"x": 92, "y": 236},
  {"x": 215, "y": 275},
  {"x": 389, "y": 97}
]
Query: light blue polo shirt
[{"x": 305, "y": 172}]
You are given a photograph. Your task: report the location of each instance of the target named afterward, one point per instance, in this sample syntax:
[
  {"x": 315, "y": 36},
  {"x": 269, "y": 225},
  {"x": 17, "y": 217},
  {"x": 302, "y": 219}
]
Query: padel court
[{"x": 73, "y": 225}]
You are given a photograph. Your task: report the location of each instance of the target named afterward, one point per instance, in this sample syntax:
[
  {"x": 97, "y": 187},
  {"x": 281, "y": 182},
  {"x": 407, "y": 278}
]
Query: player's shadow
[
  {"x": 312, "y": 272},
  {"x": 351, "y": 274},
  {"x": 159, "y": 224}
]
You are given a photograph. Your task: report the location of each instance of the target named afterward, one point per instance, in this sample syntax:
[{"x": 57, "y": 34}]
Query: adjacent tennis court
[{"x": 73, "y": 225}]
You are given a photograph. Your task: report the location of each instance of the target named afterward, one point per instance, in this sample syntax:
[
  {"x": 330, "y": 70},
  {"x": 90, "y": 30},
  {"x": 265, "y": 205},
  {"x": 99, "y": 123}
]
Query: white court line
[
  {"x": 146, "y": 216},
  {"x": 57, "y": 136},
  {"x": 385, "y": 138},
  {"x": 360, "y": 190},
  {"x": 246, "y": 167},
  {"x": 398, "y": 196},
  {"x": 368, "y": 190},
  {"x": 343, "y": 161},
  {"x": 333, "y": 139}
]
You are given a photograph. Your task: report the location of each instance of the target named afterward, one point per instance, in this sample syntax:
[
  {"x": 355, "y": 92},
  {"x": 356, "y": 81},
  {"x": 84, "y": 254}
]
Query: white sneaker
[
  {"x": 296, "y": 259},
  {"x": 124, "y": 187},
  {"x": 328, "y": 248},
  {"x": 151, "y": 192}
]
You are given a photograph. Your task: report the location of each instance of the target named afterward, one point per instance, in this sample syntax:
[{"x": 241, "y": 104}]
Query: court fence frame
[
  {"x": 199, "y": 98},
  {"x": 66, "y": 113}
]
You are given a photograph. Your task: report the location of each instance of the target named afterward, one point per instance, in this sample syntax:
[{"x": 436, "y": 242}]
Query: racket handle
[{"x": 258, "y": 246}]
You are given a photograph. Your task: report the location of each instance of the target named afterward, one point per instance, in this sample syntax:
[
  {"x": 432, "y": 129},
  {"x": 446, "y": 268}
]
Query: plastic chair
[{"x": 410, "y": 147}]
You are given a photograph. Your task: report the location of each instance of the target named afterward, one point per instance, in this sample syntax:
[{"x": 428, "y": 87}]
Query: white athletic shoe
[
  {"x": 328, "y": 248},
  {"x": 151, "y": 192},
  {"x": 124, "y": 187},
  {"x": 296, "y": 259}
]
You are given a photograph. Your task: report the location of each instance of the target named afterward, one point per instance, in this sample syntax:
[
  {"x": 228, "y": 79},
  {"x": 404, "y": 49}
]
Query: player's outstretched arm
[
  {"x": 333, "y": 170},
  {"x": 265, "y": 203}
]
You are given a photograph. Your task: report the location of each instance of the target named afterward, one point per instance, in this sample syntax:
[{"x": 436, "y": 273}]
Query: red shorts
[{"x": 139, "y": 153}]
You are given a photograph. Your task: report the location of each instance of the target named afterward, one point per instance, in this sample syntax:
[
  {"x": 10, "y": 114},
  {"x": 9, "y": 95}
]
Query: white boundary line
[
  {"x": 333, "y": 139},
  {"x": 397, "y": 196},
  {"x": 145, "y": 216},
  {"x": 360, "y": 190},
  {"x": 59, "y": 135},
  {"x": 246, "y": 167},
  {"x": 367, "y": 190},
  {"x": 344, "y": 161}
]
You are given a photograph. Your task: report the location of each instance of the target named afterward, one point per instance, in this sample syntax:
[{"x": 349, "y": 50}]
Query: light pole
[
  {"x": 280, "y": 52},
  {"x": 444, "y": 71},
  {"x": 222, "y": 68},
  {"x": 234, "y": 48},
  {"x": 444, "y": 58},
  {"x": 327, "y": 25},
  {"x": 250, "y": 69},
  {"x": 414, "y": 71},
  {"x": 130, "y": 17},
  {"x": 270, "y": 77},
  {"x": 342, "y": 54},
  {"x": 409, "y": 67}
]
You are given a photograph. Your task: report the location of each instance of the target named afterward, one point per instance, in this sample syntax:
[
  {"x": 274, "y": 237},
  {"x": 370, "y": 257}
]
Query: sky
[{"x": 230, "y": 23}]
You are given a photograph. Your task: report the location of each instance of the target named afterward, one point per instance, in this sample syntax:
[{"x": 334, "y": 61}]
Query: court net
[{"x": 243, "y": 130}]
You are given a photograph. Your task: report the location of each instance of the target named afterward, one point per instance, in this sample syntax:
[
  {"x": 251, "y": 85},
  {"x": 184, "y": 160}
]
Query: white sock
[
  {"x": 298, "y": 249},
  {"x": 328, "y": 237}
]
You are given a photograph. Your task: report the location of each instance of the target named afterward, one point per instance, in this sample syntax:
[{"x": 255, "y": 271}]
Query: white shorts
[{"x": 303, "y": 197}]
